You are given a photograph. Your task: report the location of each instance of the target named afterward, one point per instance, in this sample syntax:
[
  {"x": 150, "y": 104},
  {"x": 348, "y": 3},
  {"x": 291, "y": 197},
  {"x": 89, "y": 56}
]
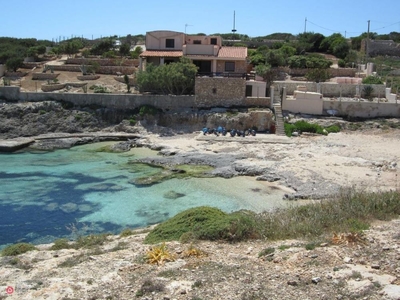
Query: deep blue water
[{"x": 45, "y": 196}]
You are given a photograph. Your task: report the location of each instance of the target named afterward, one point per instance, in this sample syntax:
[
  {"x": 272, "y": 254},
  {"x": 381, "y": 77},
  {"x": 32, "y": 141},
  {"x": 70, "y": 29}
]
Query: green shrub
[
  {"x": 148, "y": 110},
  {"x": 126, "y": 232},
  {"x": 289, "y": 129},
  {"x": 91, "y": 240},
  {"x": 61, "y": 244},
  {"x": 333, "y": 129},
  {"x": 303, "y": 126},
  {"x": 372, "y": 80},
  {"x": 17, "y": 249},
  {"x": 98, "y": 89},
  {"x": 206, "y": 223},
  {"x": 310, "y": 246},
  {"x": 342, "y": 63},
  {"x": 266, "y": 251},
  {"x": 368, "y": 91},
  {"x": 132, "y": 121}
]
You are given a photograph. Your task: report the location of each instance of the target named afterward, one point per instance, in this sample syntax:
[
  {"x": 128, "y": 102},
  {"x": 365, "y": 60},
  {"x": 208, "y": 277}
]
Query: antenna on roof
[
  {"x": 186, "y": 25},
  {"x": 234, "y": 17}
]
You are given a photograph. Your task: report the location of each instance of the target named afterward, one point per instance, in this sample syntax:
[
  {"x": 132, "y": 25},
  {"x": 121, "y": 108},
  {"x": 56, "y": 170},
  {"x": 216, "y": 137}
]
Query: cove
[{"x": 82, "y": 190}]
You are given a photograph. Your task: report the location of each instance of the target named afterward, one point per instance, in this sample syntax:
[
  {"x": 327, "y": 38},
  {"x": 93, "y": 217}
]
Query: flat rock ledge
[
  {"x": 12, "y": 145},
  {"x": 15, "y": 144}
]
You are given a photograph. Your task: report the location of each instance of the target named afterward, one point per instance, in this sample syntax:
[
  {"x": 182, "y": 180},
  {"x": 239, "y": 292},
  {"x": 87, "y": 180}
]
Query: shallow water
[{"x": 45, "y": 196}]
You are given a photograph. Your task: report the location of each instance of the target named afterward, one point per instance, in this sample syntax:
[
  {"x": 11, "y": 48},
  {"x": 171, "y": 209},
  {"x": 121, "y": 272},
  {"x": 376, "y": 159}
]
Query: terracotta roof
[
  {"x": 232, "y": 52},
  {"x": 161, "y": 53}
]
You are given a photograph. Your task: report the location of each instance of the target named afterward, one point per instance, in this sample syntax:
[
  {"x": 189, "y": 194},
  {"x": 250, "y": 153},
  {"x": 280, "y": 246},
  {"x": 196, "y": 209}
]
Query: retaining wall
[
  {"x": 331, "y": 89},
  {"x": 104, "y": 61},
  {"x": 225, "y": 92},
  {"x": 101, "y": 70},
  {"x": 363, "y": 109},
  {"x": 333, "y": 72}
]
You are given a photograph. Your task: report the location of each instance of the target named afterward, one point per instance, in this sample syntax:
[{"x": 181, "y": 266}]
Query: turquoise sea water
[{"x": 48, "y": 195}]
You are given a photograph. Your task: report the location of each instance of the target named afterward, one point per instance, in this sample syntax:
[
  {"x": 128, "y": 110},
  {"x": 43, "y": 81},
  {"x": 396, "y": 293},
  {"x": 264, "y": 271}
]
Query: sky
[{"x": 52, "y": 19}]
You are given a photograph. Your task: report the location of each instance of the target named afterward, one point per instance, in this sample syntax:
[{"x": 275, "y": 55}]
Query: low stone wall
[
  {"x": 363, "y": 109},
  {"x": 10, "y": 93},
  {"x": 52, "y": 87},
  {"x": 104, "y": 61},
  {"x": 225, "y": 92},
  {"x": 116, "y": 101},
  {"x": 45, "y": 76},
  {"x": 331, "y": 89},
  {"x": 115, "y": 70},
  {"x": 333, "y": 72},
  {"x": 257, "y": 102},
  {"x": 18, "y": 74},
  {"x": 88, "y": 77}
]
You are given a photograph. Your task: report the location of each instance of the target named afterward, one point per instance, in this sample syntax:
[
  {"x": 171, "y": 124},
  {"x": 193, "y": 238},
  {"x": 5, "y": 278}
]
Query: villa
[{"x": 206, "y": 52}]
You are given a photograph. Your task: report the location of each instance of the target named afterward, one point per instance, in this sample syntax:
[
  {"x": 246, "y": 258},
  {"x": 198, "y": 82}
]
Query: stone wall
[
  {"x": 257, "y": 102},
  {"x": 10, "y": 93},
  {"x": 333, "y": 72},
  {"x": 104, "y": 61},
  {"x": 381, "y": 47},
  {"x": 363, "y": 109},
  {"x": 240, "y": 66},
  {"x": 331, "y": 89},
  {"x": 101, "y": 70},
  {"x": 44, "y": 76},
  {"x": 225, "y": 92},
  {"x": 119, "y": 101}
]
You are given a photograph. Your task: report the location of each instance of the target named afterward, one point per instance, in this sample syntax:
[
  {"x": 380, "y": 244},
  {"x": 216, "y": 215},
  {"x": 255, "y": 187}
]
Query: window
[
  {"x": 169, "y": 43},
  {"x": 229, "y": 66},
  {"x": 197, "y": 42},
  {"x": 213, "y": 41},
  {"x": 249, "y": 90}
]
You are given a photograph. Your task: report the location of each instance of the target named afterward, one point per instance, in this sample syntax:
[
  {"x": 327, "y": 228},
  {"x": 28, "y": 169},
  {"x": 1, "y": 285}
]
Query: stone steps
[{"x": 280, "y": 127}]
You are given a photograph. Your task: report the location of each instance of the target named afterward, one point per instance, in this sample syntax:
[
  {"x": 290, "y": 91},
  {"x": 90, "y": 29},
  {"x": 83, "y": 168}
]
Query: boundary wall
[{"x": 332, "y": 89}]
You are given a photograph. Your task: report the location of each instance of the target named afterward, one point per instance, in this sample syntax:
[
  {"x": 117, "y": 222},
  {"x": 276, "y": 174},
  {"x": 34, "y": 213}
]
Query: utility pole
[
  {"x": 367, "y": 44},
  {"x": 305, "y": 25}
]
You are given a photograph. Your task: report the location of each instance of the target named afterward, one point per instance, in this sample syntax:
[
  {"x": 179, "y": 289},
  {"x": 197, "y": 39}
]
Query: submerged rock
[
  {"x": 173, "y": 195},
  {"x": 69, "y": 207}
]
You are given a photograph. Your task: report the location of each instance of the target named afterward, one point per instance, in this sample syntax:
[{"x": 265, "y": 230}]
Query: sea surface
[{"x": 65, "y": 193}]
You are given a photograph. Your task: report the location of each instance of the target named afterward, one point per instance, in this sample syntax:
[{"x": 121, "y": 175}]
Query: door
[{"x": 204, "y": 67}]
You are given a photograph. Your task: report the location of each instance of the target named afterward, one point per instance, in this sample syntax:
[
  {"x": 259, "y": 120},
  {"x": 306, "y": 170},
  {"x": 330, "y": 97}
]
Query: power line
[
  {"x": 353, "y": 32},
  {"x": 386, "y": 26}
]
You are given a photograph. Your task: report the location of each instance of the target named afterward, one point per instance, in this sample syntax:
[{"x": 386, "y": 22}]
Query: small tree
[
  {"x": 175, "y": 78},
  {"x": 267, "y": 73},
  {"x": 136, "y": 52},
  {"x": 14, "y": 63},
  {"x": 128, "y": 86},
  {"x": 318, "y": 75},
  {"x": 124, "y": 49}
]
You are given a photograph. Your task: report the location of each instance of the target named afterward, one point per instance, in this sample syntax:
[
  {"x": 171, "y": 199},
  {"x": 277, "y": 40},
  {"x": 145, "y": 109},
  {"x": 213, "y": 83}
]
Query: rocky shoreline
[{"x": 310, "y": 166}]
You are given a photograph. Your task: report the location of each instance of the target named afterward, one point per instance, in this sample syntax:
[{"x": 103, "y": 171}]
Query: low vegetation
[
  {"x": 303, "y": 126},
  {"x": 351, "y": 211},
  {"x": 206, "y": 223},
  {"x": 344, "y": 217},
  {"x": 17, "y": 249}
]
